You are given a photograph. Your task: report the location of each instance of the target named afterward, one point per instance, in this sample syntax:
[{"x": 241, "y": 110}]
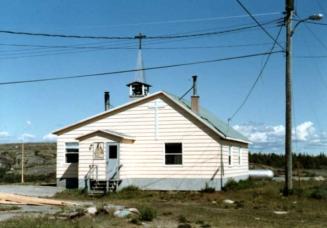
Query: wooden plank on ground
[{"x": 29, "y": 200}]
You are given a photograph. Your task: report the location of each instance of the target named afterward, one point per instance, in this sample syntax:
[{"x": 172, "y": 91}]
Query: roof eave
[
  {"x": 58, "y": 132},
  {"x": 85, "y": 136}
]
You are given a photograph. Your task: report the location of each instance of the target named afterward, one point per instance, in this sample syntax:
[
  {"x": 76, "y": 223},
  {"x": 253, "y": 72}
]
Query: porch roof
[{"x": 108, "y": 134}]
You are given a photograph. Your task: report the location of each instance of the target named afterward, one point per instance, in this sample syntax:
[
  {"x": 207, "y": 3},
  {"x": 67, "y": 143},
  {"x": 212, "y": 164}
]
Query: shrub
[
  {"x": 319, "y": 193},
  {"x": 208, "y": 189},
  {"x": 147, "y": 214},
  {"x": 182, "y": 219},
  {"x": 242, "y": 184},
  {"x": 130, "y": 188}
]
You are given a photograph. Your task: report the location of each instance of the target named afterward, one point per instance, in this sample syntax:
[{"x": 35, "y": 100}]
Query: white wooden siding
[{"x": 145, "y": 158}]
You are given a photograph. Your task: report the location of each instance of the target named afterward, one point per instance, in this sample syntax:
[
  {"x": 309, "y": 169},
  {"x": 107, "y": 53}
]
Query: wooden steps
[{"x": 101, "y": 187}]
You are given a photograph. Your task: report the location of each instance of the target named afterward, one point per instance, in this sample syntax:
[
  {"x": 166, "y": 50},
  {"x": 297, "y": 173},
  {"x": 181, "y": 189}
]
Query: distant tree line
[{"x": 304, "y": 161}]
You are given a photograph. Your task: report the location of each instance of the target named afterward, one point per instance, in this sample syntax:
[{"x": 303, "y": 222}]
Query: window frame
[
  {"x": 164, "y": 154},
  {"x": 239, "y": 156},
  {"x": 66, "y": 152},
  {"x": 230, "y": 156},
  {"x": 115, "y": 145}
]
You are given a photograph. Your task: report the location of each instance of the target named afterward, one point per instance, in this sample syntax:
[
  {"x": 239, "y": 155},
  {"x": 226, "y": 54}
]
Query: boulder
[
  {"x": 228, "y": 201},
  {"x": 91, "y": 210},
  {"x": 134, "y": 210},
  {"x": 319, "y": 178},
  {"x": 280, "y": 212},
  {"x": 122, "y": 213}
]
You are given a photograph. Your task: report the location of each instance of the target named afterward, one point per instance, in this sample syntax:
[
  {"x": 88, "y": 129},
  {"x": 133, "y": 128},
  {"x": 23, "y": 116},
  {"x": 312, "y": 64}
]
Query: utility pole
[
  {"x": 289, "y": 8},
  {"x": 140, "y": 36},
  {"x": 22, "y": 162}
]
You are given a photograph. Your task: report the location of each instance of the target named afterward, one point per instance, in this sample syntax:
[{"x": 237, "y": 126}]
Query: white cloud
[
  {"x": 50, "y": 137},
  {"x": 4, "y": 134},
  {"x": 27, "y": 137},
  {"x": 28, "y": 122},
  {"x": 304, "y": 131},
  {"x": 271, "y": 137}
]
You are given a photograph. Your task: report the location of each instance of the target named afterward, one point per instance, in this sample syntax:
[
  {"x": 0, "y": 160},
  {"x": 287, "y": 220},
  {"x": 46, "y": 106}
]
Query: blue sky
[{"x": 37, "y": 109}]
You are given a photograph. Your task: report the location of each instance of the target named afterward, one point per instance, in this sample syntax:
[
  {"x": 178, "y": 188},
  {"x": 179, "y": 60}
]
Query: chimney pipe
[
  {"x": 195, "y": 98},
  {"x": 106, "y": 100}
]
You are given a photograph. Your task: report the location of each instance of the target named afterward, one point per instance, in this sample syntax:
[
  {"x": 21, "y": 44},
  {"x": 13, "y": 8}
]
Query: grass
[
  {"x": 147, "y": 213},
  {"x": 254, "y": 206},
  {"x": 8, "y": 208}
]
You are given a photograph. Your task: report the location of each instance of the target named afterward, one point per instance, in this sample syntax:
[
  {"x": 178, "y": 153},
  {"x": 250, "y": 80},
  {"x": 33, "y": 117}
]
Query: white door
[{"x": 112, "y": 161}]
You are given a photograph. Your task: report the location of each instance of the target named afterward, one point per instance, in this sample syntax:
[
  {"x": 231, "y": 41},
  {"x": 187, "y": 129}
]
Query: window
[
  {"x": 112, "y": 152},
  {"x": 173, "y": 154},
  {"x": 72, "y": 152},
  {"x": 98, "y": 152},
  {"x": 239, "y": 155},
  {"x": 229, "y": 155}
]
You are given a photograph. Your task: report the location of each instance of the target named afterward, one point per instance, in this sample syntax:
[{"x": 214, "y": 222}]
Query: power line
[
  {"x": 205, "y": 30},
  {"x": 310, "y": 56},
  {"x": 134, "y": 70},
  {"x": 315, "y": 23},
  {"x": 59, "y": 52},
  {"x": 53, "y": 46},
  {"x": 257, "y": 79},
  {"x": 96, "y": 48},
  {"x": 123, "y": 37},
  {"x": 258, "y": 23},
  {"x": 68, "y": 36},
  {"x": 149, "y": 48},
  {"x": 202, "y": 34},
  {"x": 316, "y": 37},
  {"x": 209, "y": 47},
  {"x": 190, "y": 20}
]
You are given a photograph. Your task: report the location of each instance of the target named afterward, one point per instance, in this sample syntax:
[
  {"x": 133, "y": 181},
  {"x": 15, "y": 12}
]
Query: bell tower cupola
[{"x": 138, "y": 87}]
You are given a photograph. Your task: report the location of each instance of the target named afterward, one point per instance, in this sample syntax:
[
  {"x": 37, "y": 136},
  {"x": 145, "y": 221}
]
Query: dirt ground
[
  {"x": 251, "y": 203},
  {"x": 29, "y": 190}
]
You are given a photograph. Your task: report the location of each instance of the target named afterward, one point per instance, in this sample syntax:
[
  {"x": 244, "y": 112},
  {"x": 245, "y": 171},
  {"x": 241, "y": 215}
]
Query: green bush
[
  {"x": 232, "y": 185},
  {"x": 147, "y": 214},
  {"x": 130, "y": 188},
  {"x": 319, "y": 192}
]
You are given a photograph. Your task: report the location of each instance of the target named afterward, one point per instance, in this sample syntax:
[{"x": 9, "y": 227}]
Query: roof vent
[{"x": 195, "y": 98}]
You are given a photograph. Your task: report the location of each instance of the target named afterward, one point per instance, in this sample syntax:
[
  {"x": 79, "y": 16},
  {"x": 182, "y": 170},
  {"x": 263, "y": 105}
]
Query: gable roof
[
  {"x": 228, "y": 131},
  {"x": 204, "y": 116}
]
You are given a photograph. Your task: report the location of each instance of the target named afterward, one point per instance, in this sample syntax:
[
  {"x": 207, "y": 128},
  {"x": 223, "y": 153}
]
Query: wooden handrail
[{"x": 91, "y": 171}]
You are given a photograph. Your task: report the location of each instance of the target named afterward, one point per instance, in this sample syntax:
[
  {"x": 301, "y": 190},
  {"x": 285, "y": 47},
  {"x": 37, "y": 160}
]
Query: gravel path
[{"x": 30, "y": 190}]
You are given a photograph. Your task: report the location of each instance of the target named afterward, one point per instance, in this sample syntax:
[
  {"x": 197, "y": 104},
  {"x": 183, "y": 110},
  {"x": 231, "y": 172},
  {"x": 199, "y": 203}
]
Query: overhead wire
[
  {"x": 258, "y": 23},
  {"x": 151, "y": 42},
  {"x": 87, "y": 50},
  {"x": 323, "y": 83},
  {"x": 148, "y": 48},
  {"x": 122, "y": 37},
  {"x": 134, "y": 70},
  {"x": 257, "y": 78},
  {"x": 8, "y": 56},
  {"x": 190, "y": 20}
]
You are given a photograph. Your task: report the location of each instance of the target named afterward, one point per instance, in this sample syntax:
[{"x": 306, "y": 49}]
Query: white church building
[{"x": 156, "y": 141}]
